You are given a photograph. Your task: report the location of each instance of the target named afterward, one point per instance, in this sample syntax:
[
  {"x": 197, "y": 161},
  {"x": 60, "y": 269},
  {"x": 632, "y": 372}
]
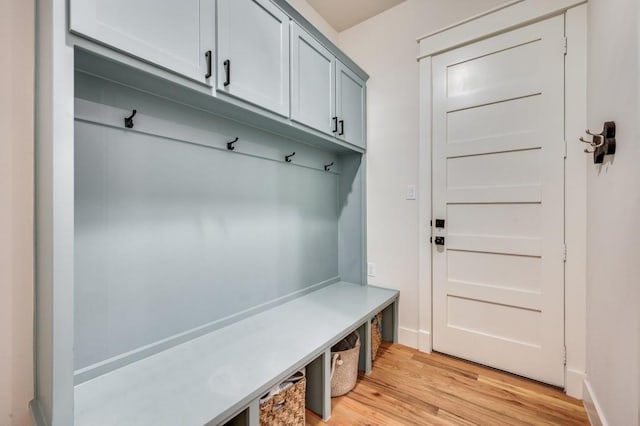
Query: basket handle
[{"x": 334, "y": 360}]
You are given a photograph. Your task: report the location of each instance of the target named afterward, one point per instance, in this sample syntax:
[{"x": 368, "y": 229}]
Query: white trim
[
  {"x": 574, "y": 383},
  {"x": 408, "y": 337},
  {"x": 575, "y": 199},
  {"x": 469, "y": 19},
  {"x": 593, "y": 408},
  {"x": 424, "y": 206},
  {"x": 498, "y": 21},
  {"x": 416, "y": 339},
  {"x": 424, "y": 341}
]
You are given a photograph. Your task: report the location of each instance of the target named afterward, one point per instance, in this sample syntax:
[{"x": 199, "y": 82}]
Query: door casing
[{"x": 499, "y": 20}]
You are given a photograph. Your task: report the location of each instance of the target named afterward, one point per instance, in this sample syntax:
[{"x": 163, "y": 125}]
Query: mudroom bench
[
  {"x": 219, "y": 377},
  {"x": 201, "y": 211}
]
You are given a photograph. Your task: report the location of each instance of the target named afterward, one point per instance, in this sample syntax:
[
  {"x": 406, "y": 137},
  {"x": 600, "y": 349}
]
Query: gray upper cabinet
[
  {"x": 253, "y": 53},
  {"x": 312, "y": 82},
  {"x": 350, "y": 106},
  {"x": 325, "y": 94},
  {"x": 176, "y": 36}
]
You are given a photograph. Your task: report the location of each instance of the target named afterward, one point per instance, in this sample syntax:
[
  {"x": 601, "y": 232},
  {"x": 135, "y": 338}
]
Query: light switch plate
[{"x": 411, "y": 192}]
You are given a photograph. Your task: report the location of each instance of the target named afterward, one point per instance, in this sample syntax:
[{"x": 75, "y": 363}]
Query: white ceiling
[{"x": 341, "y": 14}]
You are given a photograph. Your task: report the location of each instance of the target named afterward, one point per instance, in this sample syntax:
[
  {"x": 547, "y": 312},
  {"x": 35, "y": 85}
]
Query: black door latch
[{"x": 439, "y": 241}]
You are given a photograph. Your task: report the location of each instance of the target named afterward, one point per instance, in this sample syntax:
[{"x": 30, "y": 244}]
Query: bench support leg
[
  {"x": 318, "y": 395},
  {"x": 365, "y": 347},
  {"x": 390, "y": 322},
  {"x": 254, "y": 413}
]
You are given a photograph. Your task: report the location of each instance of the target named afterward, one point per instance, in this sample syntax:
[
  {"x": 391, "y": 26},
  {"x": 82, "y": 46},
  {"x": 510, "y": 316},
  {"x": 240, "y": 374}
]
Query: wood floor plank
[{"x": 407, "y": 387}]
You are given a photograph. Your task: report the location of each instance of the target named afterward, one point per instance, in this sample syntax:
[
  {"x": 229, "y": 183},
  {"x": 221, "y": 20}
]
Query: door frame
[{"x": 503, "y": 19}]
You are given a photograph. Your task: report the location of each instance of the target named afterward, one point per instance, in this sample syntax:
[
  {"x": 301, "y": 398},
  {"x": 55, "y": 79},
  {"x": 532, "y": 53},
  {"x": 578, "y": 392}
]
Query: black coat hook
[
  {"x": 287, "y": 158},
  {"x": 128, "y": 121},
  {"x": 603, "y": 143},
  {"x": 327, "y": 167},
  {"x": 230, "y": 146}
]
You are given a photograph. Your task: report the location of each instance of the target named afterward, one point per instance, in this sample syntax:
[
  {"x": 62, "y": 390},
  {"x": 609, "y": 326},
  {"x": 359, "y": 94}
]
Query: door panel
[
  {"x": 129, "y": 26},
  {"x": 498, "y": 180},
  {"x": 253, "y": 35},
  {"x": 312, "y": 82},
  {"x": 350, "y": 93}
]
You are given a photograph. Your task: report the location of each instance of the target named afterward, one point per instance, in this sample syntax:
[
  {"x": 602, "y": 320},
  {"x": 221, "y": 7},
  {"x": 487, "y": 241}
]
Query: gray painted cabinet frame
[{"x": 61, "y": 53}]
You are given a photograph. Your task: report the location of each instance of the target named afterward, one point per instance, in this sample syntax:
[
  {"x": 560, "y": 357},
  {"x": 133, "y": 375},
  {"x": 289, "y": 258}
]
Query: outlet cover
[{"x": 371, "y": 269}]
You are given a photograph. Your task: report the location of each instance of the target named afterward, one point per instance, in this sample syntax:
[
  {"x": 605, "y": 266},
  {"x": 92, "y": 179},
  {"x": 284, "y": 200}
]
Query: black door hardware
[
  {"x": 439, "y": 241},
  {"x": 335, "y": 124},
  {"x": 341, "y": 128},
  {"x": 230, "y": 146},
  {"x": 207, "y": 57},
  {"x": 287, "y": 158},
  {"x": 128, "y": 121},
  {"x": 227, "y": 72},
  {"x": 327, "y": 167},
  {"x": 439, "y": 223}
]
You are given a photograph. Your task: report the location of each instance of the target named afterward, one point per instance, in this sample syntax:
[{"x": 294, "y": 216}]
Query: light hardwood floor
[{"x": 407, "y": 387}]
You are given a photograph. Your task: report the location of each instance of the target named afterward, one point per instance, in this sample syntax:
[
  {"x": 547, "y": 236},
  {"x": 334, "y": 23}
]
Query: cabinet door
[
  {"x": 174, "y": 34},
  {"x": 350, "y": 105},
  {"x": 253, "y": 53},
  {"x": 312, "y": 82}
]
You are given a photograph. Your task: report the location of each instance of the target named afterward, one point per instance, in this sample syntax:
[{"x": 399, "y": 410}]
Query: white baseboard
[
  {"x": 408, "y": 337},
  {"x": 416, "y": 339},
  {"x": 574, "y": 384},
  {"x": 424, "y": 341},
  {"x": 594, "y": 411}
]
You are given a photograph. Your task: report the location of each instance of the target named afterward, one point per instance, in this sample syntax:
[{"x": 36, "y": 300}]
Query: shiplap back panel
[{"x": 170, "y": 236}]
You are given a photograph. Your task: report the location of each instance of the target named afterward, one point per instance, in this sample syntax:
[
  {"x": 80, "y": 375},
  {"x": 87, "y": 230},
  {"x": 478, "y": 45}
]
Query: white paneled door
[{"x": 498, "y": 183}]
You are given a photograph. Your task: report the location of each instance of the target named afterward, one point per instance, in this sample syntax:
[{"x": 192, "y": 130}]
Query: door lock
[{"x": 439, "y": 241}]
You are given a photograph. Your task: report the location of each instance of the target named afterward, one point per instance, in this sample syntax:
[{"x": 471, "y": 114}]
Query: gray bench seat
[{"x": 212, "y": 378}]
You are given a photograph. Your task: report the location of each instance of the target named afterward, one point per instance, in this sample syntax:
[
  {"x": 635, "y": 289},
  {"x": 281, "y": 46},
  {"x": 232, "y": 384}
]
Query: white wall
[
  {"x": 385, "y": 47},
  {"x": 613, "y": 213},
  {"x": 315, "y": 18},
  {"x": 16, "y": 207}
]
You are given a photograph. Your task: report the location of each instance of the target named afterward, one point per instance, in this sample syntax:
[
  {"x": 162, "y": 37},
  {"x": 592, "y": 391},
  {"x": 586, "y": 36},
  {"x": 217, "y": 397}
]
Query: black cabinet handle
[
  {"x": 335, "y": 124},
  {"x": 341, "y": 128},
  {"x": 227, "y": 72},
  {"x": 207, "y": 57}
]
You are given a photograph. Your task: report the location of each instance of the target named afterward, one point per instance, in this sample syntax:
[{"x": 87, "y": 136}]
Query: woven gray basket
[{"x": 344, "y": 364}]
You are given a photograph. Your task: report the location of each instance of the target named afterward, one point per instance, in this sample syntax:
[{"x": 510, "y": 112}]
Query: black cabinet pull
[
  {"x": 341, "y": 128},
  {"x": 207, "y": 57},
  {"x": 227, "y": 72},
  {"x": 335, "y": 124}
]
